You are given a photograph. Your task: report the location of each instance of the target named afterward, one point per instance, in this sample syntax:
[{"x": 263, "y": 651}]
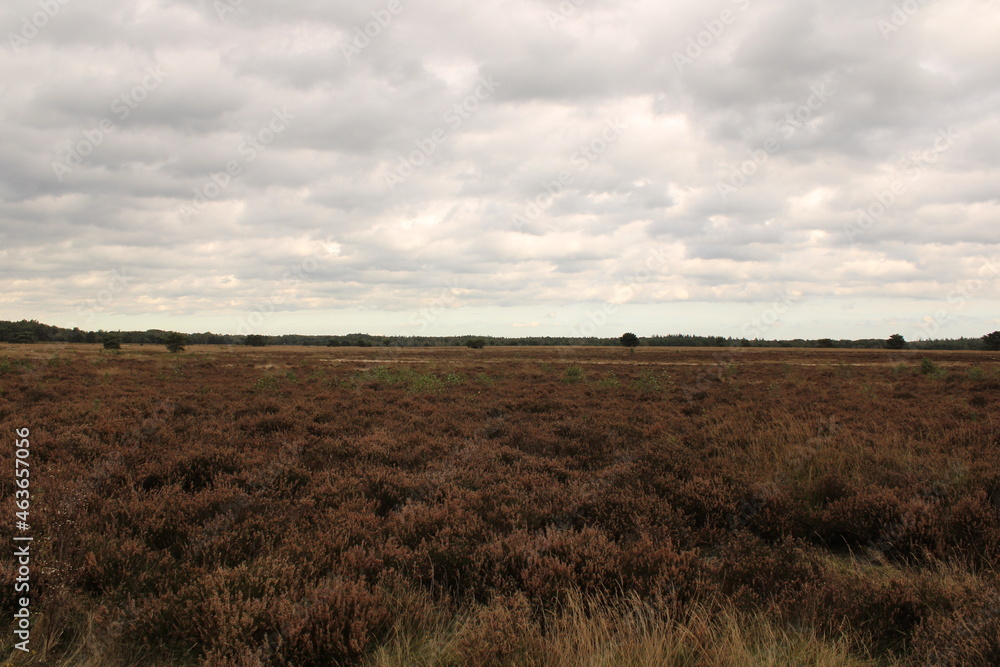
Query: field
[{"x": 535, "y": 506}]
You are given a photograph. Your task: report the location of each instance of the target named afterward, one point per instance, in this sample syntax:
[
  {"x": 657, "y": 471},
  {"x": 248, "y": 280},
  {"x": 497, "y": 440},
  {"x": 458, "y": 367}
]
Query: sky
[{"x": 747, "y": 168}]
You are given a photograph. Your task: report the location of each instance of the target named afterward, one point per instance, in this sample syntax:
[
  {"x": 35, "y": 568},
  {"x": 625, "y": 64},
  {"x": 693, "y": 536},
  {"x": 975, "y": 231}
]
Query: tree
[
  {"x": 476, "y": 343},
  {"x": 175, "y": 341},
  {"x": 629, "y": 339},
  {"x": 895, "y": 342},
  {"x": 991, "y": 341},
  {"x": 255, "y": 340},
  {"x": 112, "y": 341},
  {"x": 824, "y": 342}
]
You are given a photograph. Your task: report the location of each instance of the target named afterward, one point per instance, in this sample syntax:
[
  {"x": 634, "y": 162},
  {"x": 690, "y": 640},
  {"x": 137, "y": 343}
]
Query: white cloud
[{"x": 654, "y": 185}]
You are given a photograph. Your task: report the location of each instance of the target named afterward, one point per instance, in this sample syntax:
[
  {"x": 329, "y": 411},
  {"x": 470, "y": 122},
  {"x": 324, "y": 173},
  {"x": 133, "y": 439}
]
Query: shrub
[
  {"x": 112, "y": 342},
  {"x": 266, "y": 383},
  {"x": 573, "y": 375},
  {"x": 650, "y": 382},
  {"x": 337, "y": 624},
  {"x": 629, "y": 339},
  {"x": 175, "y": 341},
  {"x": 609, "y": 381},
  {"x": 475, "y": 343},
  {"x": 928, "y": 367}
]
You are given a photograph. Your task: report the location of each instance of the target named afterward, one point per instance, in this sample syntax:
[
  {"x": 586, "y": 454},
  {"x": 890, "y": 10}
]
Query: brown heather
[{"x": 522, "y": 506}]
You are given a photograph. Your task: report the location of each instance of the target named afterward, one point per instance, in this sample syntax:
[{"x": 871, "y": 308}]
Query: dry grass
[{"x": 609, "y": 632}]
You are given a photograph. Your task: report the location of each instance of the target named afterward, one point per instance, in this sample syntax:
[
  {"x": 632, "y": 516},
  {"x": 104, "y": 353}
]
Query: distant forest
[{"x": 32, "y": 331}]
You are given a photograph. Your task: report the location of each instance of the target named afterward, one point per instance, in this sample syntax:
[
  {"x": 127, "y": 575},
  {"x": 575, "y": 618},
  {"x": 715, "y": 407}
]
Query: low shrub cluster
[{"x": 276, "y": 508}]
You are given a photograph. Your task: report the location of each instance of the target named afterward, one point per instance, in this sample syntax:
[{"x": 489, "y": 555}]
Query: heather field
[{"x": 524, "y": 506}]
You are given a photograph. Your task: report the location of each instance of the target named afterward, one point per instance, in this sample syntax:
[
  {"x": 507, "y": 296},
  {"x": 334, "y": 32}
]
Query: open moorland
[{"x": 525, "y": 506}]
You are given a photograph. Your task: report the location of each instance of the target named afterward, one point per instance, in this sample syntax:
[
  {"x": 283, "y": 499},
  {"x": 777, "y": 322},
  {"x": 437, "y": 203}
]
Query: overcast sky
[{"x": 756, "y": 168}]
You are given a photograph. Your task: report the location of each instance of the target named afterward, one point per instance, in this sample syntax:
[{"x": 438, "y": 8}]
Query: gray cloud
[{"x": 763, "y": 146}]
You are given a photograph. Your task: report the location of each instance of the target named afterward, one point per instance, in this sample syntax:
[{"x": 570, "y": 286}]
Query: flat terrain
[{"x": 314, "y": 506}]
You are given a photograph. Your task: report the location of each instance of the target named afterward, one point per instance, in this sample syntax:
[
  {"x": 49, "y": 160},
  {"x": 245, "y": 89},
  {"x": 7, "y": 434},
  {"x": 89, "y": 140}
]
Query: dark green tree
[
  {"x": 175, "y": 341},
  {"x": 895, "y": 342},
  {"x": 991, "y": 341},
  {"x": 255, "y": 340},
  {"x": 476, "y": 343},
  {"x": 629, "y": 339},
  {"x": 112, "y": 341}
]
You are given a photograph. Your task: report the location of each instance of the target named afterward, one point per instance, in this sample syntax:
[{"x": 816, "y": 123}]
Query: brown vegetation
[{"x": 274, "y": 506}]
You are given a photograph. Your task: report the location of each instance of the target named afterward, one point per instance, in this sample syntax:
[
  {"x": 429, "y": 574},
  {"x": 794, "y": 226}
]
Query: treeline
[{"x": 32, "y": 331}]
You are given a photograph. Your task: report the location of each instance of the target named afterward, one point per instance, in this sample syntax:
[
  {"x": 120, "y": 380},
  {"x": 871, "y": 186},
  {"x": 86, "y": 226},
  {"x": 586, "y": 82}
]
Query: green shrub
[
  {"x": 928, "y": 367},
  {"x": 175, "y": 341},
  {"x": 8, "y": 365},
  {"x": 900, "y": 368},
  {"x": 651, "y": 382},
  {"x": 608, "y": 381},
  {"x": 266, "y": 383},
  {"x": 112, "y": 342},
  {"x": 573, "y": 375}
]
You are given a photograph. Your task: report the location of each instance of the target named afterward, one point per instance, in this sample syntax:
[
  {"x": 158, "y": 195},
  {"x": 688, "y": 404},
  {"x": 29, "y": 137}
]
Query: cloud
[{"x": 768, "y": 147}]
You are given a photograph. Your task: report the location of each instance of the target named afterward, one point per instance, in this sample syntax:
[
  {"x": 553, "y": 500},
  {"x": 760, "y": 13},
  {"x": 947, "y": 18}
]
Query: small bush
[
  {"x": 266, "y": 383},
  {"x": 650, "y": 382},
  {"x": 573, "y": 375},
  {"x": 175, "y": 342},
  {"x": 339, "y": 622},
  {"x": 928, "y": 367},
  {"x": 609, "y": 381}
]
